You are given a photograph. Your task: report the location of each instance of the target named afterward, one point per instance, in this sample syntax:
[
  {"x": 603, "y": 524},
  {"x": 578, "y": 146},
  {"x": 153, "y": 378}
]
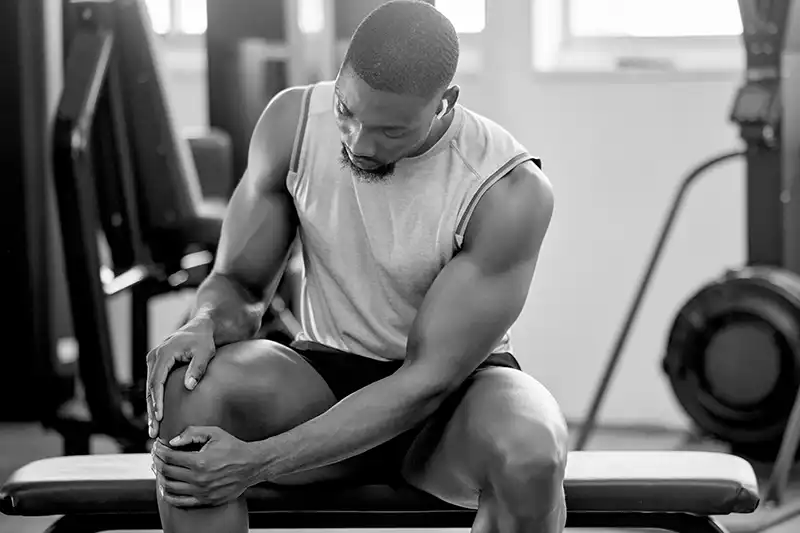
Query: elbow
[
  {"x": 427, "y": 377},
  {"x": 425, "y": 384}
]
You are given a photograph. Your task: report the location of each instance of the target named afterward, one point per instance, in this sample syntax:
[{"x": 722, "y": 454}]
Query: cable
[{"x": 588, "y": 425}]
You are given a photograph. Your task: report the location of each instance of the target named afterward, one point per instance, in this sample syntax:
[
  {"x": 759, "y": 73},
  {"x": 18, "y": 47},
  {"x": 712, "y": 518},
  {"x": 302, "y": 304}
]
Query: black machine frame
[
  {"x": 89, "y": 168},
  {"x": 675, "y": 522}
]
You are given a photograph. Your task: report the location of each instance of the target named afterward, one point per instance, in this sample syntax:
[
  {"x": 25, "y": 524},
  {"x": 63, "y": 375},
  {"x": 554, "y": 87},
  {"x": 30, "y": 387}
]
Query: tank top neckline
[{"x": 449, "y": 134}]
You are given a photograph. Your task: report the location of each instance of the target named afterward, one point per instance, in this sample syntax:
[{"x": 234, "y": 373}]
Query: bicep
[
  {"x": 256, "y": 235},
  {"x": 260, "y": 222},
  {"x": 480, "y": 294}
]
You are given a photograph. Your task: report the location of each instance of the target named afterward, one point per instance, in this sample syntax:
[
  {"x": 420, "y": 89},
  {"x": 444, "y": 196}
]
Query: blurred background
[{"x": 621, "y": 99}]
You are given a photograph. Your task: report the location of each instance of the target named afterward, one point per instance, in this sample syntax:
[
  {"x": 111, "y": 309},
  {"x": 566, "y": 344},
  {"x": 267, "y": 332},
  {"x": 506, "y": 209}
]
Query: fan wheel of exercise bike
[{"x": 733, "y": 358}]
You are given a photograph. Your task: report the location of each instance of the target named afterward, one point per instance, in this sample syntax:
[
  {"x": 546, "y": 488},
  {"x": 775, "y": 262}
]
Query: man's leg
[
  {"x": 252, "y": 390},
  {"x": 498, "y": 445}
]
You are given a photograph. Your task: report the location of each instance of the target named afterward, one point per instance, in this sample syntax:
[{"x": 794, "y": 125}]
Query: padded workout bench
[{"x": 673, "y": 491}]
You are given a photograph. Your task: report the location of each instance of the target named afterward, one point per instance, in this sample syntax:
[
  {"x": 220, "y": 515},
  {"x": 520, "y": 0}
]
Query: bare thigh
[
  {"x": 502, "y": 420},
  {"x": 254, "y": 390}
]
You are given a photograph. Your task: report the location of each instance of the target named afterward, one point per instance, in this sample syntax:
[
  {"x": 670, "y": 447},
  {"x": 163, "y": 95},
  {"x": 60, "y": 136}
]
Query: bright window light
[
  {"x": 467, "y": 16},
  {"x": 193, "y": 16},
  {"x": 311, "y": 16},
  {"x": 160, "y": 15},
  {"x": 653, "y": 18}
]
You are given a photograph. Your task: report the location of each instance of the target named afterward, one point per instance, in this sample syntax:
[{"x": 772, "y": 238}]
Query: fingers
[
  {"x": 177, "y": 488},
  {"x": 178, "y": 500},
  {"x": 194, "y": 435},
  {"x": 177, "y": 473},
  {"x": 151, "y": 358},
  {"x": 164, "y": 364},
  {"x": 197, "y": 367},
  {"x": 174, "y": 457}
]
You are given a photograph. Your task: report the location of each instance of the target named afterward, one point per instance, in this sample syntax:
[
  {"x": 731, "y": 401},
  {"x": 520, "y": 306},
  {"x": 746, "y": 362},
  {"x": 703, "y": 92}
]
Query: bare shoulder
[
  {"x": 272, "y": 140},
  {"x": 512, "y": 218}
]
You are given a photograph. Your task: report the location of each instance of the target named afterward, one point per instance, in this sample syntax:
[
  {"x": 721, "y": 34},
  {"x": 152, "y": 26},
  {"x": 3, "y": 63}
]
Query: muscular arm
[
  {"x": 259, "y": 227},
  {"x": 483, "y": 290},
  {"x": 471, "y": 304}
]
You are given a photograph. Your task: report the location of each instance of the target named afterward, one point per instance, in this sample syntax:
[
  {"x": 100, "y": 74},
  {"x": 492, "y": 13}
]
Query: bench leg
[{"x": 675, "y": 522}]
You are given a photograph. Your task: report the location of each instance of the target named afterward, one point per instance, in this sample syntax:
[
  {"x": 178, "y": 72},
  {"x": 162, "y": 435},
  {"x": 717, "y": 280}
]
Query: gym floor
[{"x": 22, "y": 443}]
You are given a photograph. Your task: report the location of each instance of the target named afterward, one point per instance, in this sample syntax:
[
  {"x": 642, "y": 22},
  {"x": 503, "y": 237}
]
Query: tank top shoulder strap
[
  {"x": 301, "y": 129},
  {"x": 465, "y": 212}
]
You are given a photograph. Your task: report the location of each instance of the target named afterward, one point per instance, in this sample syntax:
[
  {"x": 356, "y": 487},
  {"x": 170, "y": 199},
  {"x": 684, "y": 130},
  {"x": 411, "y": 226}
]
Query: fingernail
[
  {"x": 191, "y": 383},
  {"x": 174, "y": 441},
  {"x": 161, "y": 490}
]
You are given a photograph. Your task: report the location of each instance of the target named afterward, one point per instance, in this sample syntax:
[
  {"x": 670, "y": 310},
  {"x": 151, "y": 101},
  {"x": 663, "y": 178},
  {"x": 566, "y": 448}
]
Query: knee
[
  {"x": 241, "y": 391},
  {"x": 207, "y": 404},
  {"x": 530, "y": 457}
]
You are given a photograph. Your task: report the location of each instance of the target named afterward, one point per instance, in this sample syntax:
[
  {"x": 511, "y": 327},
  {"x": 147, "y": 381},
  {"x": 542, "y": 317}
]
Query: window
[
  {"x": 170, "y": 17},
  {"x": 467, "y": 16},
  {"x": 469, "y": 20},
  {"x": 189, "y": 16},
  {"x": 649, "y": 18},
  {"x": 637, "y": 35}
]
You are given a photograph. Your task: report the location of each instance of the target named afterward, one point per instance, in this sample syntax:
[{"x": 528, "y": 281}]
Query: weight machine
[{"x": 733, "y": 352}]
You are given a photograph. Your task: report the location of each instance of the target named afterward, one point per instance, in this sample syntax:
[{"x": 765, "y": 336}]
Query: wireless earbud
[{"x": 443, "y": 112}]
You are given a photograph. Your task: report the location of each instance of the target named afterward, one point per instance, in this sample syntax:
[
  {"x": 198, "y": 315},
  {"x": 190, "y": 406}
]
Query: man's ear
[{"x": 449, "y": 99}]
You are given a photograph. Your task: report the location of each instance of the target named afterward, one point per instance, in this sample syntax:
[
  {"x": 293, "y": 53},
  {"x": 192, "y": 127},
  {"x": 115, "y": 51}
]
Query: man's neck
[{"x": 437, "y": 131}]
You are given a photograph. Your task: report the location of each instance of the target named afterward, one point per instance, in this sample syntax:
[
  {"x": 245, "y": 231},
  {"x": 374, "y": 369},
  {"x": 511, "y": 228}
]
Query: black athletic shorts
[{"x": 346, "y": 373}]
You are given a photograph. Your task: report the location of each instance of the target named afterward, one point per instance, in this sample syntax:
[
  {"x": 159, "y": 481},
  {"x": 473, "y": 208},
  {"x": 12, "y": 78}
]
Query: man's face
[{"x": 378, "y": 128}]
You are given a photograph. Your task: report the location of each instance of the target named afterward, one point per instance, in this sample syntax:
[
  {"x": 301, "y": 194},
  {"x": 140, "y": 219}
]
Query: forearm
[
  {"x": 365, "y": 419},
  {"x": 235, "y": 312}
]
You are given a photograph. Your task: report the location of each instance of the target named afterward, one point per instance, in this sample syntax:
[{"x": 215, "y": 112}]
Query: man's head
[{"x": 393, "y": 83}]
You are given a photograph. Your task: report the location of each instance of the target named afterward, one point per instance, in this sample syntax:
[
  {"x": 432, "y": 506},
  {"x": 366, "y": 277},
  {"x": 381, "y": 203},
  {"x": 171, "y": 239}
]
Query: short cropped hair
[{"x": 405, "y": 47}]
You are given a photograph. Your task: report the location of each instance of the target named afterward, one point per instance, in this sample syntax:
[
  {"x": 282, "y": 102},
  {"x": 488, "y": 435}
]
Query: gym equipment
[
  {"x": 119, "y": 169},
  {"x": 733, "y": 357},
  {"x": 29, "y": 84},
  {"x": 733, "y": 354},
  {"x": 122, "y": 170},
  {"x": 672, "y": 491},
  {"x": 255, "y": 49},
  {"x": 732, "y": 333},
  {"x": 768, "y": 112}
]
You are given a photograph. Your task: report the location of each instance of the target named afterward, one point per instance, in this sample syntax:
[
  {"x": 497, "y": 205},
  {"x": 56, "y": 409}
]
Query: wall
[{"x": 615, "y": 148}]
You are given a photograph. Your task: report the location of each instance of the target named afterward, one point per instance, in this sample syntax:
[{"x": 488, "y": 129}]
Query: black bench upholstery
[{"x": 694, "y": 483}]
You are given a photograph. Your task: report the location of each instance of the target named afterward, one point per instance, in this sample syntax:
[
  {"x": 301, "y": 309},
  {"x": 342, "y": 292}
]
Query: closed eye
[
  {"x": 342, "y": 109},
  {"x": 394, "y": 133}
]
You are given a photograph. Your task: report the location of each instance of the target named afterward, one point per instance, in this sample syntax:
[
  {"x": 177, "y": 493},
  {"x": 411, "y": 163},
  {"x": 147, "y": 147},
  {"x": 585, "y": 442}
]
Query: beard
[{"x": 378, "y": 174}]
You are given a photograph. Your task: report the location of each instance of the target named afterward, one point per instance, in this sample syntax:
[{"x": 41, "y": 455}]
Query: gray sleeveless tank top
[{"x": 370, "y": 251}]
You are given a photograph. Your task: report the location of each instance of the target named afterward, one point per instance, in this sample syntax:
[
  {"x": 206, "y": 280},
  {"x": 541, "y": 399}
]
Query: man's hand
[
  {"x": 216, "y": 474},
  {"x": 193, "y": 344}
]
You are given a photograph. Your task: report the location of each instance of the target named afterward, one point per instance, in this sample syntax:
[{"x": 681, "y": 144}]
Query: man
[{"x": 420, "y": 224}]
